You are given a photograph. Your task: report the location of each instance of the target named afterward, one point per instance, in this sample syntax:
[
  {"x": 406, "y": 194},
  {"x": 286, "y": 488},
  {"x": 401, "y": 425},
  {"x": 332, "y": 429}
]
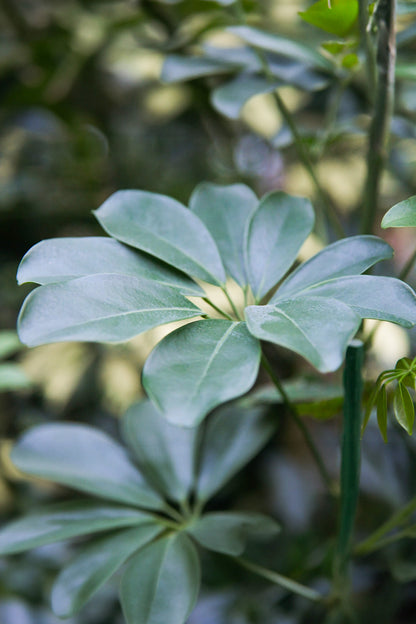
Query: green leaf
[
  {"x": 62, "y": 259},
  {"x": 177, "y": 68},
  {"x": 230, "y": 98},
  {"x": 242, "y": 56},
  {"x": 200, "y": 366},
  {"x": 281, "y": 45},
  {"x": 402, "y": 214},
  {"x": 164, "y": 228},
  {"x": 349, "y": 256},
  {"x": 403, "y": 407},
  {"x": 382, "y": 411},
  {"x": 317, "y": 328},
  {"x": 99, "y": 308},
  {"x": 407, "y": 371},
  {"x": 64, "y": 520},
  {"x": 87, "y": 572},
  {"x": 276, "y": 232},
  {"x": 295, "y": 73},
  {"x": 161, "y": 582},
  {"x": 370, "y": 296},
  {"x": 338, "y": 17},
  {"x": 228, "y": 533},
  {"x": 165, "y": 452},
  {"x": 233, "y": 436},
  {"x": 226, "y": 210},
  {"x": 85, "y": 459},
  {"x": 13, "y": 377},
  {"x": 9, "y": 344}
]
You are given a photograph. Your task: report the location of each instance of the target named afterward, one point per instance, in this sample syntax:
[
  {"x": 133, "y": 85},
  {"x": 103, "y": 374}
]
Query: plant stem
[
  {"x": 367, "y": 47},
  {"x": 400, "y": 517},
  {"x": 380, "y": 123},
  {"x": 300, "y": 424},
  {"x": 408, "y": 266},
  {"x": 217, "y": 309},
  {"x": 278, "y": 579}
]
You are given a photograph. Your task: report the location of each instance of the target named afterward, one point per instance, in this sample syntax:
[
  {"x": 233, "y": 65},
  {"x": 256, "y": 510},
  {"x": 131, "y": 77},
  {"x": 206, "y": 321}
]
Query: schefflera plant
[
  {"x": 161, "y": 254},
  {"x": 131, "y": 509}
]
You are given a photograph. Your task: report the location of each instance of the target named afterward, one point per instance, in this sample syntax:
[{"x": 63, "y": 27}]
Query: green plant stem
[
  {"x": 300, "y": 424},
  {"x": 383, "y": 106},
  {"x": 232, "y": 304},
  {"x": 400, "y": 517},
  {"x": 278, "y": 579},
  {"x": 217, "y": 309},
  {"x": 367, "y": 46},
  {"x": 171, "y": 511}
]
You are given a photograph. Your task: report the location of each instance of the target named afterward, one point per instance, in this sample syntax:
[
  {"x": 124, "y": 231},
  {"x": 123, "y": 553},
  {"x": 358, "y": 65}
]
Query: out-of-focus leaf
[
  {"x": 404, "y": 571},
  {"x": 228, "y": 533},
  {"x": 230, "y": 98},
  {"x": 233, "y": 436},
  {"x": 317, "y": 328},
  {"x": 61, "y": 259},
  {"x": 296, "y": 73},
  {"x": 405, "y": 71},
  {"x": 161, "y": 582},
  {"x": 99, "y": 308},
  {"x": 13, "y": 377},
  {"x": 164, "y": 228},
  {"x": 177, "y": 68},
  {"x": 85, "y": 459},
  {"x": 382, "y": 411},
  {"x": 276, "y": 232},
  {"x": 402, "y": 214},
  {"x": 87, "y": 572},
  {"x": 64, "y": 520},
  {"x": 200, "y": 366},
  {"x": 337, "y": 17},
  {"x": 9, "y": 343},
  {"x": 226, "y": 210},
  {"x": 237, "y": 56},
  {"x": 403, "y": 407},
  {"x": 165, "y": 452}
]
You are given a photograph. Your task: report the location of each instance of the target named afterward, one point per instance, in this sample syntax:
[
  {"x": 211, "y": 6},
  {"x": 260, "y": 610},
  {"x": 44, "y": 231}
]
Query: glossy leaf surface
[
  {"x": 61, "y": 259},
  {"x": 88, "y": 571},
  {"x": 317, "y": 328},
  {"x": 165, "y": 452},
  {"x": 228, "y": 533},
  {"x": 64, "y": 520},
  {"x": 233, "y": 436},
  {"x": 99, "y": 308},
  {"x": 161, "y": 582},
  {"x": 276, "y": 232},
  {"x": 164, "y": 228},
  {"x": 85, "y": 459},
  {"x": 348, "y": 256},
  {"x": 337, "y": 17},
  {"x": 200, "y": 366},
  {"x": 402, "y": 214},
  {"x": 225, "y": 210}
]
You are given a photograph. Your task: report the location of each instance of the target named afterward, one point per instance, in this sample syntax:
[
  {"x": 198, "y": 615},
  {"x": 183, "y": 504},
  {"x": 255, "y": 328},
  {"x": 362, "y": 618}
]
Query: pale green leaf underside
[
  {"x": 348, "y": 256},
  {"x": 317, "y": 328},
  {"x": 228, "y": 533},
  {"x": 177, "y": 68},
  {"x": 233, "y": 436},
  {"x": 62, "y": 259},
  {"x": 85, "y": 459},
  {"x": 99, "y": 308},
  {"x": 161, "y": 582},
  {"x": 65, "y": 520},
  {"x": 165, "y": 452},
  {"x": 200, "y": 366},
  {"x": 164, "y": 228},
  {"x": 276, "y": 232},
  {"x": 230, "y": 98},
  {"x": 402, "y": 214},
  {"x": 88, "y": 571},
  {"x": 225, "y": 210}
]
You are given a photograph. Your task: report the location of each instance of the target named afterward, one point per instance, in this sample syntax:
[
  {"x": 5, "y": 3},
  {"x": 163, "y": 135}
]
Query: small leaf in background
[
  {"x": 350, "y": 61},
  {"x": 228, "y": 533},
  {"x": 164, "y": 228},
  {"x": 403, "y": 407},
  {"x": 382, "y": 411},
  {"x": 161, "y": 582},
  {"x": 88, "y": 571},
  {"x": 338, "y": 17},
  {"x": 9, "y": 344},
  {"x": 402, "y": 214},
  {"x": 13, "y": 377},
  {"x": 177, "y": 68},
  {"x": 85, "y": 459},
  {"x": 99, "y": 308},
  {"x": 199, "y": 366},
  {"x": 276, "y": 232},
  {"x": 230, "y": 98},
  {"x": 407, "y": 368},
  {"x": 165, "y": 452}
]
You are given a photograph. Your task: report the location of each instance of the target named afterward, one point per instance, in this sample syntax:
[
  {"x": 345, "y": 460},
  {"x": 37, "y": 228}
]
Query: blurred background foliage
[{"x": 84, "y": 113}]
